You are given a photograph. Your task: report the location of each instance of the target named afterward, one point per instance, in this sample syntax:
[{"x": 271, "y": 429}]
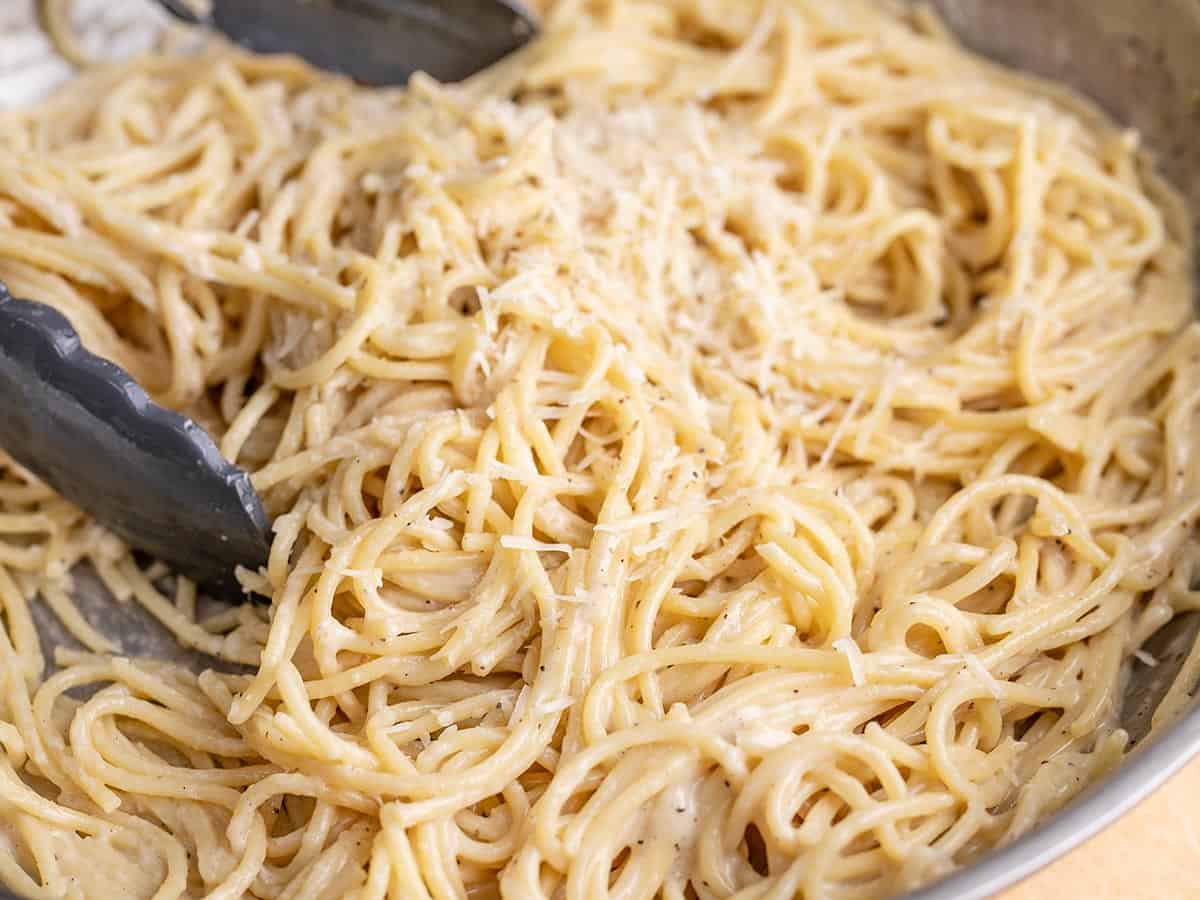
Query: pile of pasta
[{"x": 729, "y": 449}]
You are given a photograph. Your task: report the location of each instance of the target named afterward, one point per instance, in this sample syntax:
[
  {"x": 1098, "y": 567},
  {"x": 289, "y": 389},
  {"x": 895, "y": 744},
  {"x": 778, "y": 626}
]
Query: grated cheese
[
  {"x": 251, "y": 259},
  {"x": 661, "y": 542},
  {"x": 511, "y": 473},
  {"x": 531, "y": 479},
  {"x": 840, "y": 431},
  {"x": 551, "y": 707},
  {"x": 674, "y": 514},
  {"x": 849, "y": 648},
  {"x": 247, "y": 223},
  {"x": 880, "y": 410},
  {"x": 976, "y": 668},
  {"x": 521, "y": 706},
  {"x": 520, "y": 542}
]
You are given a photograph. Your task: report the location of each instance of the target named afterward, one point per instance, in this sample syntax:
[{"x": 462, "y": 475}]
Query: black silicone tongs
[
  {"x": 82, "y": 425},
  {"x": 150, "y": 475},
  {"x": 376, "y": 42}
]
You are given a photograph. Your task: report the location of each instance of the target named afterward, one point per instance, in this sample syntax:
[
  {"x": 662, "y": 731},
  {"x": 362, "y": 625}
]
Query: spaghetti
[{"x": 730, "y": 449}]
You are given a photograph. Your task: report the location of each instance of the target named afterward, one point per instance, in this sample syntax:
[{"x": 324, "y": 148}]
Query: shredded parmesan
[
  {"x": 1145, "y": 658},
  {"x": 519, "y": 542},
  {"x": 849, "y": 648},
  {"x": 838, "y": 433},
  {"x": 677, "y": 515},
  {"x": 551, "y": 707},
  {"x": 985, "y": 678}
]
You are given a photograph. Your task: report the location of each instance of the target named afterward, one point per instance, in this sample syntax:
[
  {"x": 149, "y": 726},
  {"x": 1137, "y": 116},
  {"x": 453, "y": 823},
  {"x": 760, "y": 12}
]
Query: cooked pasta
[{"x": 729, "y": 449}]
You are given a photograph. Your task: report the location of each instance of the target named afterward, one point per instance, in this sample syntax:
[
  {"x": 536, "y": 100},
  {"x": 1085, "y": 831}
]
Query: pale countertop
[{"x": 1153, "y": 853}]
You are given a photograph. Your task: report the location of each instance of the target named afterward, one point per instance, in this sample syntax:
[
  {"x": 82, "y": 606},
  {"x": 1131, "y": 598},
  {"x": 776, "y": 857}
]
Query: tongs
[
  {"x": 86, "y": 428},
  {"x": 378, "y": 42}
]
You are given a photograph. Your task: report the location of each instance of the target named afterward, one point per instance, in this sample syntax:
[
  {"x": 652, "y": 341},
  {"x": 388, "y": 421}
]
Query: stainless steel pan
[{"x": 1139, "y": 60}]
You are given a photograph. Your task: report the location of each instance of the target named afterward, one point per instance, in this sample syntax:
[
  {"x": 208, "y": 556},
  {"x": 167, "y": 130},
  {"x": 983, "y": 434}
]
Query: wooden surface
[{"x": 1153, "y": 853}]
